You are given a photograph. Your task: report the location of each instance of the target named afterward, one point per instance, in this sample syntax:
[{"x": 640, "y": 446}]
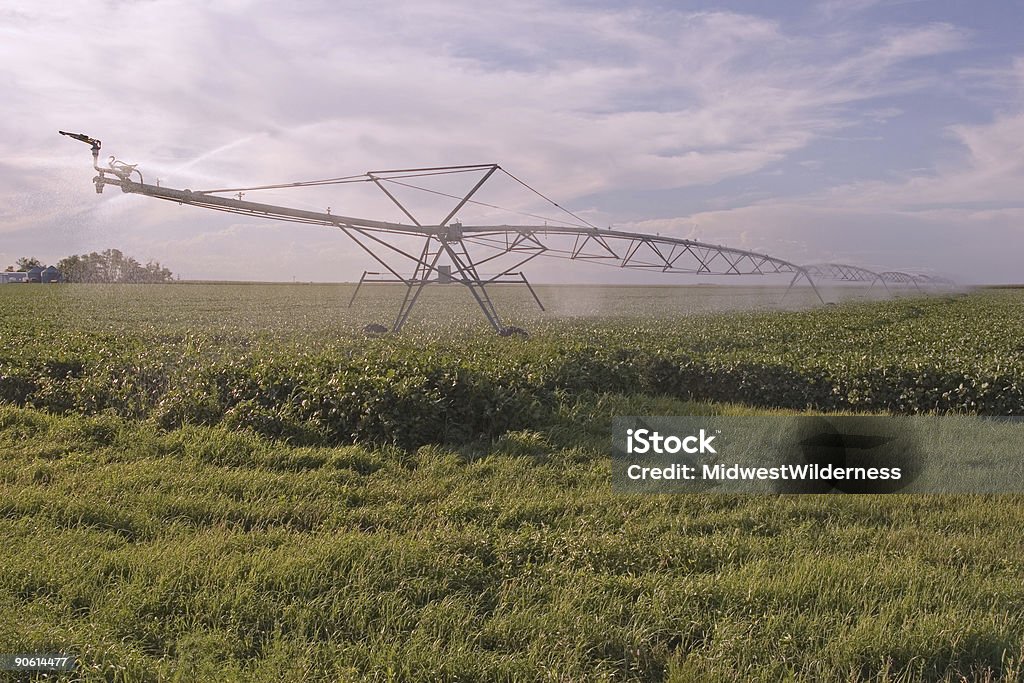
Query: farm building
[
  {"x": 51, "y": 274},
  {"x": 13, "y": 277},
  {"x": 44, "y": 275}
]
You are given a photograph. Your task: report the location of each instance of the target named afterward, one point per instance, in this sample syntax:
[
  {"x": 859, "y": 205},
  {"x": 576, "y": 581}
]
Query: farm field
[{"x": 233, "y": 482}]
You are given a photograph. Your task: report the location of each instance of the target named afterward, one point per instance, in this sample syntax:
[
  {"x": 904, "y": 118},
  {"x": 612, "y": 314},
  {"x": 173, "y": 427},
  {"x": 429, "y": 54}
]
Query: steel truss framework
[
  {"x": 453, "y": 252},
  {"x": 846, "y": 273}
]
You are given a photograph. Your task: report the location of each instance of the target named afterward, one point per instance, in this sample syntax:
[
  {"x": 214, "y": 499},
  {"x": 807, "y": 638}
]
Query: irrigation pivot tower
[{"x": 452, "y": 252}]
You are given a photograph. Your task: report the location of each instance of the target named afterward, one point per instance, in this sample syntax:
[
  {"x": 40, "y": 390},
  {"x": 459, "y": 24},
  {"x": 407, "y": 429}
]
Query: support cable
[
  {"x": 485, "y": 204},
  {"x": 341, "y": 180},
  {"x": 549, "y": 200}
]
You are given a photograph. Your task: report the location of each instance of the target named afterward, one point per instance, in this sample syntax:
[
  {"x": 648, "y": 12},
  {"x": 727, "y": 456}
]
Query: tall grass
[{"x": 206, "y": 554}]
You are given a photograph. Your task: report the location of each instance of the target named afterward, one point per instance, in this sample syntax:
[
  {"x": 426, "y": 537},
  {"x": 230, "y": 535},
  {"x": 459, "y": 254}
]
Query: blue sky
[{"x": 884, "y": 133}]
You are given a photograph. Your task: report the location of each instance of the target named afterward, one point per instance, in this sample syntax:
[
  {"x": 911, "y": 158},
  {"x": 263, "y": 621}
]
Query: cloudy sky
[{"x": 886, "y": 133}]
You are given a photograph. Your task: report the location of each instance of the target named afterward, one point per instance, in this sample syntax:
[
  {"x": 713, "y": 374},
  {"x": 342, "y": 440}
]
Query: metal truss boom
[
  {"x": 453, "y": 252},
  {"x": 844, "y": 272}
]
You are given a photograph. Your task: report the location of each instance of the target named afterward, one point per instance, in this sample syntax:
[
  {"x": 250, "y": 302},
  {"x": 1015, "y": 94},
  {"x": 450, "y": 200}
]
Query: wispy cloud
[{"x": 583, "y": 102}]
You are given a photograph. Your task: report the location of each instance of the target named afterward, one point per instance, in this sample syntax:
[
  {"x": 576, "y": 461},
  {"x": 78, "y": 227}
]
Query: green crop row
[{"x": 943, "y": 355}]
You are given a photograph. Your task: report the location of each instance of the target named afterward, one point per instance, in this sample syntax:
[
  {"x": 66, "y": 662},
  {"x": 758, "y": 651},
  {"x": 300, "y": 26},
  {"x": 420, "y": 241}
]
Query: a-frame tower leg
[
  {"x": 420, "y": 279},
  {"x": 797, "y": 276}
]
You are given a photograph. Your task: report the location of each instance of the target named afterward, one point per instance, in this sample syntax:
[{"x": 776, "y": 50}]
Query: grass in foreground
[{"x": 205, "y": 554}]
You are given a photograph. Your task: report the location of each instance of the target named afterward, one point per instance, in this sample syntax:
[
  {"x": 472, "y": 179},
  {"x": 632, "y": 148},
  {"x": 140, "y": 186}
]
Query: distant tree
[
  {"x": 27, "y": 263},
  {"x": 157, "y": 273},
  {"x": 112, "y": 266},
  {"x": 73, "y": 269}
]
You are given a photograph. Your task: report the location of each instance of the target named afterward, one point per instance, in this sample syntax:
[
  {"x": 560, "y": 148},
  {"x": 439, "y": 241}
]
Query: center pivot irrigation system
[{"x": 466, "y": 248}]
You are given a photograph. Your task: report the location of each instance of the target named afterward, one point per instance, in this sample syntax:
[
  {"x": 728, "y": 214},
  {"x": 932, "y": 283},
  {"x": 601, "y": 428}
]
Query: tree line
[{"x": 108, "y": 266}]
